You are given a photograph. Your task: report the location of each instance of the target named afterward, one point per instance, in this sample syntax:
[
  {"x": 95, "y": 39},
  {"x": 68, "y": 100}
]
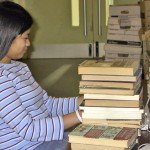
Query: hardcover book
[
  {"x": 128, "y": 67},
  {"x": 103, "y": 135}
]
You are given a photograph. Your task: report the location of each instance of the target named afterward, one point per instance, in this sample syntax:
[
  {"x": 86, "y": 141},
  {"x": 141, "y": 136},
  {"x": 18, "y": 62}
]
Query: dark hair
[{"x": 14, "y": 20}]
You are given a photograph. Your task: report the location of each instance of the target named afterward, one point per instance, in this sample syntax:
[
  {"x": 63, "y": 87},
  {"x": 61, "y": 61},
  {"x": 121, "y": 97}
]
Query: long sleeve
[
  {"x": 21, "y": 118},
  {"x": 22, "y": 108},
  {"x": 60, "y": 106}
]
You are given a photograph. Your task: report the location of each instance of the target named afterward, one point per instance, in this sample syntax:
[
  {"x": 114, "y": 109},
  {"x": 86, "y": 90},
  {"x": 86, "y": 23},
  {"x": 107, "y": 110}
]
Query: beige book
[
  {"x": 105, "y": 84},
  {"x": 132, "y": 21},
  {"x": 135, "y": 97},
  {"x": 117, "y": 27},
  {"x": 123, "y": 37},
  {"x": 112, "y": 121},
  {"x": 125, "y": 10},
  {"x": 93, "y": 109},
  {"x": 123, "y": 79},
  {"x": 112, "y": 103},
  {"x": 122, "y": 31},
  {"x": 109, "y": 91},
  {"x": 123, "y": 48},
  {"x": 126, "y": 67},
  {"x": 112, "y": 115},
  {"x": 76, "y": 146}
]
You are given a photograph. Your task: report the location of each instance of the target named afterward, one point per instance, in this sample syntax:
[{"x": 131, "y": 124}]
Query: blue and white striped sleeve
[
  {"x": 15, "y": 115},
  {"x": 60, "y": 106}
]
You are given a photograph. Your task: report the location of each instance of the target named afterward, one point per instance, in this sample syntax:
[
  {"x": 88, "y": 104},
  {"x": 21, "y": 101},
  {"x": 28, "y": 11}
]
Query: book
[
  {"x": 122, "y": 48},
  {"x": 109, "y": 91},
  {"x": 126, "y": 67},
  {"x": 117, "y": 27},
  {"x": 121, "y": 42},
  {"x": 135, "y": 97},
  {"x": 124, "y": 32},
  {"x": 121, "y": 78},
  {"x": 117, "y": 123},
  {"x": 135, "y": 22},
  {"x": 109, "y": 84},
  {"x": 125, "y": 10},
  {"x": 113, "y": 121},
  {"x": 124, "y": 37},
  {"x": 89, "y": 109},
  {"x": 77, "y": 146},
  {"x": 112, "y": 115},
  {"x": 103, "y": 135},
  {"x": 112, "y": 103}
]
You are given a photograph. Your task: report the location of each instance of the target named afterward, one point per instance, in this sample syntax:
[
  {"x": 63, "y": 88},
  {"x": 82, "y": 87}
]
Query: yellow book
[{"x": 116, "y": 67}]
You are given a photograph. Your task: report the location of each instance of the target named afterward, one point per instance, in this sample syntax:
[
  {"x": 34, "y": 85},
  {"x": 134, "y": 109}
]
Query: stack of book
[
  {"x": 96, "y": 137},
  {"x": 112, "y": 92},
  {"x": 124, "y": 33}
]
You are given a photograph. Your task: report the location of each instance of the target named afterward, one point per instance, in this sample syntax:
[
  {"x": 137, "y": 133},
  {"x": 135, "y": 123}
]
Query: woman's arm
[{"x": 72, "y": 118}]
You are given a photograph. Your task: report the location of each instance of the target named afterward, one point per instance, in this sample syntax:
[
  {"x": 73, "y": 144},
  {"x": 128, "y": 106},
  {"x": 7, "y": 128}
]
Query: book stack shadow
[
  {"x": 124, "y": 32},
  {"x": 113, "y": 110}
]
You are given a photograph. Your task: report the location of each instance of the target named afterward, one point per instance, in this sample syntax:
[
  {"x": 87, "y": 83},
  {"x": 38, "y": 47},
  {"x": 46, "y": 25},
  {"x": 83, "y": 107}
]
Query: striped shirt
[{"x": 28, "y": 116}]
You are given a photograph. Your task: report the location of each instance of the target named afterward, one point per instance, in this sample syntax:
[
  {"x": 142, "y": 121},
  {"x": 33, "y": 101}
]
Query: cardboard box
[{"x": 125, "y": 10}]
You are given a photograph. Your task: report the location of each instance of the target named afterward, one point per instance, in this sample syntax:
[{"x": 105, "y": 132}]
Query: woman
[{"x": 29, "y": 118}]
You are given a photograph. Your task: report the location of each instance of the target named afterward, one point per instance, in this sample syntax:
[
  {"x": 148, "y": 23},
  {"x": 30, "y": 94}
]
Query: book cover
[
  {"x": 126, "y": 67},
  {"x": 103, "y": 135}
]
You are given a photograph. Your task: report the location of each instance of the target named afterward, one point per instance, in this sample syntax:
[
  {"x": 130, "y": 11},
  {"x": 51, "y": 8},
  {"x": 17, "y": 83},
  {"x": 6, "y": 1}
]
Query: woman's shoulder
[{"x": 14, "y": 67}]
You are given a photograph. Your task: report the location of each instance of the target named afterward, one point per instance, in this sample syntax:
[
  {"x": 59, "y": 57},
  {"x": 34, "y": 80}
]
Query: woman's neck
[{"x": 6, "y": 60}]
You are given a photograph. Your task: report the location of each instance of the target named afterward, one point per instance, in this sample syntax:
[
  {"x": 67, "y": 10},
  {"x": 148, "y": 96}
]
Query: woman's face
[{"x": 18, "y": 47}]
